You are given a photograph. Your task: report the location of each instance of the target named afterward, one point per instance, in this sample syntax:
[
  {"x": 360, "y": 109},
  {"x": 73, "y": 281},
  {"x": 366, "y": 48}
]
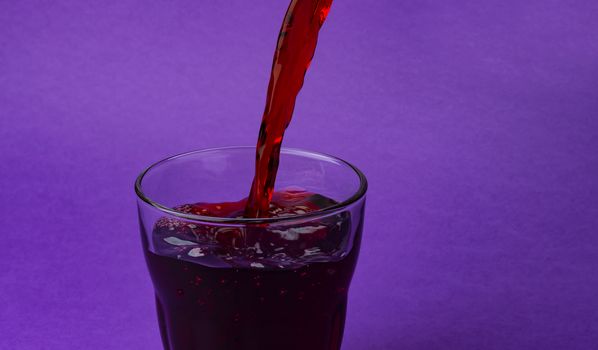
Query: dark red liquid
[
  {"x": 258, "y": 286},
  {"x": 295, "y": 49},
  {"x": 293, "y": 297}
]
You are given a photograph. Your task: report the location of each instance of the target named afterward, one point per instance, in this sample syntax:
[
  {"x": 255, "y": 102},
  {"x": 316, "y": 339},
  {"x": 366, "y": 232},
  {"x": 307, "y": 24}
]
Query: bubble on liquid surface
[
  {"x": 178, "y": 242},
  {"x": 293, "y": 233},
  {"x": 196, "y": 253}
]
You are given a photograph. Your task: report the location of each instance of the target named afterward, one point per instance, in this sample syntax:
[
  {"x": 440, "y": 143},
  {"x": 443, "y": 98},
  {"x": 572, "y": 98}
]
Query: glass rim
[{"x": 360, "y": 193}]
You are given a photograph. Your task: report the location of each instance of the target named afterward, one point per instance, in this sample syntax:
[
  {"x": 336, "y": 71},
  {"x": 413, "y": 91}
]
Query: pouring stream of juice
[{"x": 294, "y": 51}]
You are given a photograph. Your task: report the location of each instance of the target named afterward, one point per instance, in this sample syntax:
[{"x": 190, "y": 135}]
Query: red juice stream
[{"x": 294, "y": 51}]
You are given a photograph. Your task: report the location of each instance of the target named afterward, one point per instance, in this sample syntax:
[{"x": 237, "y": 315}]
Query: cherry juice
[
  {"x": 294, "y": 52},
  {"x": 268, "y": 285},
  {"x": 253, "y": 288}
]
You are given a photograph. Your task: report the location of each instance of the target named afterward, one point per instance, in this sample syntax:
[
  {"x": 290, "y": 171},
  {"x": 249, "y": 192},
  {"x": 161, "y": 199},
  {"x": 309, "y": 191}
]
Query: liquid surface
[
  {"x": 273, "y": 246},
  {"x": 294, "y": 52}
]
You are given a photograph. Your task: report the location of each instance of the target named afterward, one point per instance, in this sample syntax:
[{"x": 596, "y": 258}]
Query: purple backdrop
[{"x": 476, "y": 123}]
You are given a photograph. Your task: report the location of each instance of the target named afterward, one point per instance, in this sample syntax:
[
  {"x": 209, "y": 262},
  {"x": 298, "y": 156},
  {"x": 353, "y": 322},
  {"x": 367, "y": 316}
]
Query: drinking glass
[{"x": 250, "y": 283}]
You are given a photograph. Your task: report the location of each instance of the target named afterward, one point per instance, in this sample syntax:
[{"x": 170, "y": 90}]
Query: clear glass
[{"x": 243, "y": 283}]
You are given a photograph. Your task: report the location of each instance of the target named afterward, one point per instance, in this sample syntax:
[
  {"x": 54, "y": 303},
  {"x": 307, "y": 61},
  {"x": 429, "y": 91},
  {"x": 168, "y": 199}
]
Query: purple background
[{"x": 475, "y": 121}]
